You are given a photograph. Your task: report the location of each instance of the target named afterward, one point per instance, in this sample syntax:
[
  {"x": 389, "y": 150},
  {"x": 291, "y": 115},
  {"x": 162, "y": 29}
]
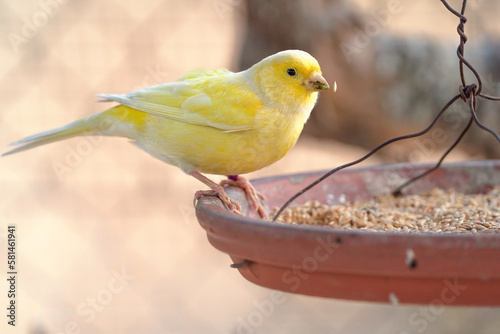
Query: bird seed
[{"x": 440, "y": 211}]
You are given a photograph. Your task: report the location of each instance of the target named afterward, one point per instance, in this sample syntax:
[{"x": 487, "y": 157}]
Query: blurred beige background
[{"x": 111, "y": 244}]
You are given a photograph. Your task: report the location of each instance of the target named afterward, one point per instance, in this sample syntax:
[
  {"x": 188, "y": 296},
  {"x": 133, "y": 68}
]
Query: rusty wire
[{"x": 467, "y": 93}]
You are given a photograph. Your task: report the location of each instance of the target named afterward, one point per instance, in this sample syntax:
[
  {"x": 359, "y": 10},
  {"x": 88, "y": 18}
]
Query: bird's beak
[{"x": 317, "y": 82}]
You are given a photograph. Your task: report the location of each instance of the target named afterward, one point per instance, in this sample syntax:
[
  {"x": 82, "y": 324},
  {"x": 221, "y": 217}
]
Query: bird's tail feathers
[{"x": 91, "y": 125}]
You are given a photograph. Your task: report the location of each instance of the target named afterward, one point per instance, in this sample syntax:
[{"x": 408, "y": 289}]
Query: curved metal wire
[{"x": 398, "y": 190}]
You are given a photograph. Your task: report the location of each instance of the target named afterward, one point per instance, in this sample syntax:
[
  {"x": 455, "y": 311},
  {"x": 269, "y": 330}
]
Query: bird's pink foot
[
  {"x": 252, "y": 194},
  {"x": 218, "y": 191},
  {"x": 232, "y": 205}
]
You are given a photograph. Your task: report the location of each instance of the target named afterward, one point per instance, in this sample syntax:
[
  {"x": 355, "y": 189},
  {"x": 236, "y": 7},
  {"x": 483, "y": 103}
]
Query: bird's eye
[{"x": 291, "y": 72}]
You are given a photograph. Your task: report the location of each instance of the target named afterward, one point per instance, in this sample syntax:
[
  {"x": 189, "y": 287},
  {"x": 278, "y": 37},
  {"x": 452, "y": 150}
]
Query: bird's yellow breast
[{"x": 208, "y": 150}]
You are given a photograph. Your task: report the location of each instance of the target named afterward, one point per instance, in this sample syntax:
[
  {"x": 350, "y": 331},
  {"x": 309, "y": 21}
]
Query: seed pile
[{"x": 435, "y": 211}]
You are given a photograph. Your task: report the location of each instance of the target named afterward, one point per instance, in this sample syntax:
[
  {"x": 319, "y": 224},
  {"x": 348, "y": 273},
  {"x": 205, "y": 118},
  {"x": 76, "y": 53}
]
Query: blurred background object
[{"x": 108, "y": 241}]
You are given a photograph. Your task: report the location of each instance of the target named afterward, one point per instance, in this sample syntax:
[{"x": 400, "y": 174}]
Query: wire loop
[{"x": 467, "y": 92}]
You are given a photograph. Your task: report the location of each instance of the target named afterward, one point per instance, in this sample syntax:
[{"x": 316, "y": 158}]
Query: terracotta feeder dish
[{"x": 390, "y": 267}]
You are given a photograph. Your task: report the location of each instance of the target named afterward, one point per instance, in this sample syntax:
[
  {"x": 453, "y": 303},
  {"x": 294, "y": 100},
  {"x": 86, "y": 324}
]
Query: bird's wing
[{"x": 203, "y": 97}]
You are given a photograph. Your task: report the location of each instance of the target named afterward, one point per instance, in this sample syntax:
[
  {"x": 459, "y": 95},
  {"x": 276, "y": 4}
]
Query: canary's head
[{"x": 289, "y": 79}]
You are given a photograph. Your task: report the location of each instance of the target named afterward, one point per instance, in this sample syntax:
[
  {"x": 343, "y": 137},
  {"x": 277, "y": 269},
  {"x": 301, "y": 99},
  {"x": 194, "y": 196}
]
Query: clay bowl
[{"x": 415, "y": 268}]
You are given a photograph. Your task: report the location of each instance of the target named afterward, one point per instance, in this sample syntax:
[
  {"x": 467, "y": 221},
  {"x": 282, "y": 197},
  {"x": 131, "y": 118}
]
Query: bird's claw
[
  {"x": 250, "y": 191},
  {"x": 231, "y": 204}
]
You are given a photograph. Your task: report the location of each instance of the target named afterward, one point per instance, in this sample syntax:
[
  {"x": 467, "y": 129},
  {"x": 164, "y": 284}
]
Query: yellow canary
[{"x": 211, "y": 121}]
